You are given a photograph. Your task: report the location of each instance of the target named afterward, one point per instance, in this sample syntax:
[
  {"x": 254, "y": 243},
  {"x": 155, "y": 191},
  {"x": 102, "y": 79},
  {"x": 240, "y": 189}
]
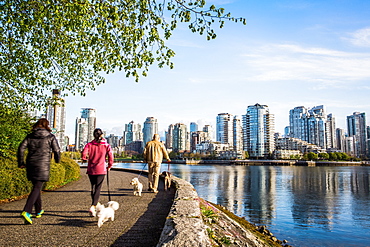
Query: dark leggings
[
  {"x": 96, "y": 184},
  {"x": 34, "y": 199}
]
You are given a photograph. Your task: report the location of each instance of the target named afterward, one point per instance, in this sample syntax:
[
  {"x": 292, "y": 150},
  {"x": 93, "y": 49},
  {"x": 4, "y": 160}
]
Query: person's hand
[
  {"x": 22, "y": 166},
  {"x": 168, "y": 161}
]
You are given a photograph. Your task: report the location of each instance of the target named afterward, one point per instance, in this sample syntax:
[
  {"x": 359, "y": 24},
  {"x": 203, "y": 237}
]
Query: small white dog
[
  {"x": 106, "y": 213},
  {"x": 138, "y": 187}
]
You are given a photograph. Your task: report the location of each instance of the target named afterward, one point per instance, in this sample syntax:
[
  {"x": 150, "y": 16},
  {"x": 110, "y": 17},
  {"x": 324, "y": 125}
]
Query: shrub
[{"x": 14, "y": 183}]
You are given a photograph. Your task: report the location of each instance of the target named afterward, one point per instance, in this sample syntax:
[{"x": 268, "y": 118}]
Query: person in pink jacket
[{"x": 96, "y": 152}]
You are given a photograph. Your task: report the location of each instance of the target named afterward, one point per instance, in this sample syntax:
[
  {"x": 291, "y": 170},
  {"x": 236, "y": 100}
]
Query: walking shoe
[
  {"x": 38, "y": 215},
  {"x": 92, "y": 211},
  {"x": 27, "y": 217}
]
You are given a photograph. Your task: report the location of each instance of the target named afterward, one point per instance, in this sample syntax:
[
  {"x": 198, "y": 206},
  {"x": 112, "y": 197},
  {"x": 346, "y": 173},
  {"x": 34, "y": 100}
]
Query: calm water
[{"x": 308, "y": 206}]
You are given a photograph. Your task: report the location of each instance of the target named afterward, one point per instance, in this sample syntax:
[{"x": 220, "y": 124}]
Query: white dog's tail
[{"x": 114, "y": 205}]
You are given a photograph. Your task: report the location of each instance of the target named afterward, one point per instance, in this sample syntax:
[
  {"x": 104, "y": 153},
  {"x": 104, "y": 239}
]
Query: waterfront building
[
  {"x": 356, "y": 124},
  {"x": 150, "y": 128},
  {"x": 56, "y": 115},
  {"x": 290, "y": 143},
  {"x": 313, "y": 125},
  {"x": 331, "y": 132},
  {"x": 196, "y": 138},
  {"x": 114, "y": 141},
  {"x": 169, "y": 134},
  {"x": 287, "y": 154},
  {"x": 224, "y": 129},
  {"x": 180, "y": 137},
  {"x": 209, "y": 129},
  {"x": 298, "y": 123},
  {"x": 209, "y": 147},
  {"x": 193, "y": 127},
  {"x": 350, "y": 146},
  {"x": 258, "y": 128},
  {"x": 238, "y": 135},
  {"x": 133, "y": 132},
  {"x": 85, "y": 126},
  {"x": 340, "y": 139},
  {"x": 316, "y": 126}
]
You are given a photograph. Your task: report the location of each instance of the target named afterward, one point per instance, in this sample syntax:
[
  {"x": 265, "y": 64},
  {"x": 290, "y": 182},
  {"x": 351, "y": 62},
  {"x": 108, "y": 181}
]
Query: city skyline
[{"x": 288, "y": 55}]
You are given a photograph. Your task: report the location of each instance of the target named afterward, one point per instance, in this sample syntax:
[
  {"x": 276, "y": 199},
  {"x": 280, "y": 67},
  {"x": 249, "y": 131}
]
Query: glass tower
[
  {"x": 258, "y": 127},
  {"x": 150, "y": 128},
  {"x": 356, "y": 124},
  {"x": 85, "y": 126},
  {"x": 224, "y": 129}
]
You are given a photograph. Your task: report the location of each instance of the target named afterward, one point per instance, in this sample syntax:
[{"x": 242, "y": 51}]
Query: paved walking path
[{"x": 66, "y": 222}]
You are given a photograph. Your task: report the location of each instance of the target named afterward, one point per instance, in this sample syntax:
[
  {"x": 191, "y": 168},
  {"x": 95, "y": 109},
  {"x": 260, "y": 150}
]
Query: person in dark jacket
[{"x": 40, "y": 144}]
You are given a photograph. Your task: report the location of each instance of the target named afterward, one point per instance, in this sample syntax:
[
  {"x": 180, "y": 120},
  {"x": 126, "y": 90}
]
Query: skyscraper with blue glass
[
  {"x": 259, "y": 127},
  {"x": 150, "y": 128}
]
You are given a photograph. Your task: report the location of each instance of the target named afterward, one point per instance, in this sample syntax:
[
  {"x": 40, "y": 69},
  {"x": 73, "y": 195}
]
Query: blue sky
[{"x": 291, "y": 53}]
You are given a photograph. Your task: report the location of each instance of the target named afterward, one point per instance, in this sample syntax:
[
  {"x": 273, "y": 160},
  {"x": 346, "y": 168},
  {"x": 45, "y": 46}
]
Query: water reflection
[{"x": 308, "y": 206}]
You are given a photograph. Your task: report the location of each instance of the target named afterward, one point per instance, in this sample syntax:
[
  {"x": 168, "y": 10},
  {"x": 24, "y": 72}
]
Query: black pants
[
  {"x": 96, "y": 184},
  {"x": 34, "y": 199}
]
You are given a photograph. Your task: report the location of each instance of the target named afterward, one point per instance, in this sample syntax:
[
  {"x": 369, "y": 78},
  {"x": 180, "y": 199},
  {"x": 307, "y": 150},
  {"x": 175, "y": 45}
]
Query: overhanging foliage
[{"x": 66, "y": 44}]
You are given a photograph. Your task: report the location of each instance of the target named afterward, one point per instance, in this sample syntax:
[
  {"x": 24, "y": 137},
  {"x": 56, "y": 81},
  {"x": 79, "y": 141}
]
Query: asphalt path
[{"x": 66, "y": 222}]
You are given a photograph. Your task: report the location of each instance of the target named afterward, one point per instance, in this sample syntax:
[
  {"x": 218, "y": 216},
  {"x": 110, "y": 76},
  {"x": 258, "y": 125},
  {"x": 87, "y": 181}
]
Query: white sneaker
[{"x": 92, "y": 211}]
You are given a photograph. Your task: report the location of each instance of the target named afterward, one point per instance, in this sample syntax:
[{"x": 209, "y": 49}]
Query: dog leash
[
  {"x": 108, "y": 185},
  {"x": 141, "y": 170}
]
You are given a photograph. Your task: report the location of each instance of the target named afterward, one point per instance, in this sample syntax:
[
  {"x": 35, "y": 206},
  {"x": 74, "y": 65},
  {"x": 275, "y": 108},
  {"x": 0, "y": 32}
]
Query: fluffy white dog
[
  {"x": 106, "y": 213},
  {"x": 138, "y": 187}
]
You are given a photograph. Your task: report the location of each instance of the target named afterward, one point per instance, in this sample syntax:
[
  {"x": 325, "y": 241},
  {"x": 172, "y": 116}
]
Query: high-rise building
[
  {"x": 150, "y": 128},
  {"x": 331, "y": 134},
  {"x": 113, "y": 140},
  {"x": 85, "y": 126},
  {"x": 356, "y": 124},
  {"x": 237, "y": 134},
  {"x": 56, "y": 116},
  {"x": 132, "y": 132},
  {"x": 316, "y": 124},
  {"x": 193, "y": 127},
  {"x": 224, "y": 129},
  {"x": 180, "y": 137},
  {"x": 169, "y": 135},
  {"x": 298, "y": 123},
  {"x": 313, "y": 125},
  {"x": 209, "y": 129},
  {"x": 196, "y": 138},
  {"x": 340, "y": 139},
  {"x": 258, "y": 127}
]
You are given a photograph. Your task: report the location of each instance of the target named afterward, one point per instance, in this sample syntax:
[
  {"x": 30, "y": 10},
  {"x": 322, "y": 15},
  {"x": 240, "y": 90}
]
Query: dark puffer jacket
[{"x": 40, "y": 143}]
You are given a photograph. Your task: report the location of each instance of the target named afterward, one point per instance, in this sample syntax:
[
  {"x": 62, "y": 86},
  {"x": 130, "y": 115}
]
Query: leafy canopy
[{"x": 66, "y": 44}]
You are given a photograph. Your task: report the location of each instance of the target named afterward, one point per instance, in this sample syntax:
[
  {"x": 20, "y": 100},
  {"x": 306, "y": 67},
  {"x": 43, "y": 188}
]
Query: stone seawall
[{"x": 184, "y": 225}]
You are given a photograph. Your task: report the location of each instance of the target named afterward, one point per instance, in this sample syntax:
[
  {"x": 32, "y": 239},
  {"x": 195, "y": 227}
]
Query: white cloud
[
  {"x": 360, "y": 37},
  {"x": 324, "y": 67}
]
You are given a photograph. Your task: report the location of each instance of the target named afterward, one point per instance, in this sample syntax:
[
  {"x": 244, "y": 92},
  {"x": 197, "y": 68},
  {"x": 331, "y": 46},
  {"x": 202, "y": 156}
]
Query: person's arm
[
  {"x": 165, "y": 153},
  {"x": 110, "y": 157},
  {"x": 145, "y": 155},
  {"x": 85, "y": 152},
  {"x": 56, "y": 149},
  {"x": 20, "y": 154}
]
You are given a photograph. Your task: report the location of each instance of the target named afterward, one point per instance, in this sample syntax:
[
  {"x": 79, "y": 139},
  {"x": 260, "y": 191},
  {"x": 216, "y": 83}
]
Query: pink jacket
[{"x": 96, "y": 153}]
